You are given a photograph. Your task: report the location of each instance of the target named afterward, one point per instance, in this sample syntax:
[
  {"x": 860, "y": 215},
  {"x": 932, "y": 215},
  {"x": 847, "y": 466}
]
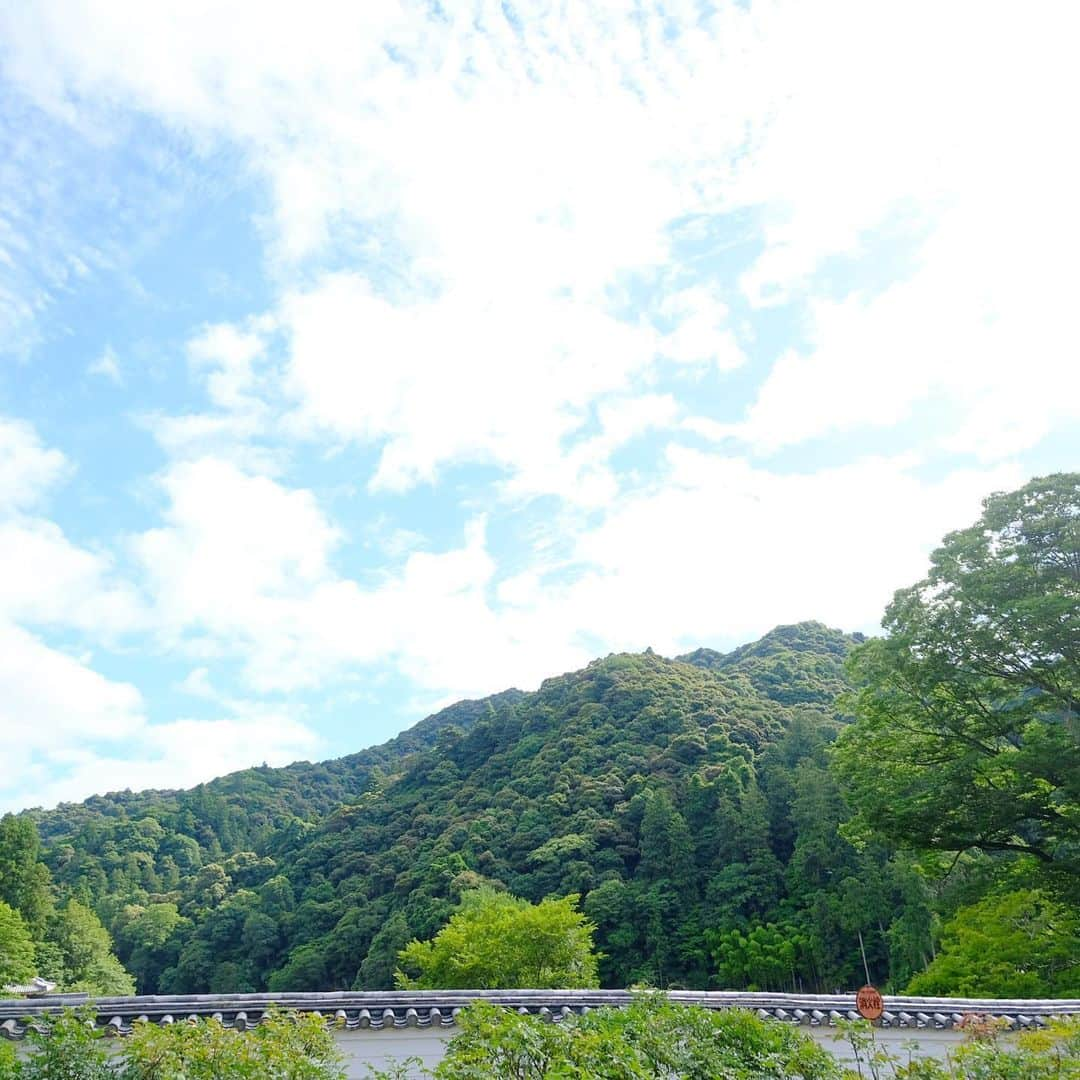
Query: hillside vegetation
[
  {"x": 748, "y": 819},
  {"x": 688, "y": 802}
]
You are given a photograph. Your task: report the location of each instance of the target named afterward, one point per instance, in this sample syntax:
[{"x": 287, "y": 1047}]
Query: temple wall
[
  {"x": 374, "y": 1029},
  {"x": 379, "y": 1049}
]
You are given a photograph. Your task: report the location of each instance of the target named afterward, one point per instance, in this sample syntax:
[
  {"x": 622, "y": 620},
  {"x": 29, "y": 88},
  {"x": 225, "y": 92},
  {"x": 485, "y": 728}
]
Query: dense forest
[
  {"x": 688, "y": 801},
  {"x": 727, "y": 820}
]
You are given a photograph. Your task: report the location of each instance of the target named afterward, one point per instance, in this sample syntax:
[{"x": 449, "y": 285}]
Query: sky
[{"x": 359, "y": 357}]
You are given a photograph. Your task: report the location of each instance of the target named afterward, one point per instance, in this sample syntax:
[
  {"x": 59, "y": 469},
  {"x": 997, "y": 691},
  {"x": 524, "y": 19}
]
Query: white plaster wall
[
  {"x": 368, "y": 1048},
  {"x": 921, "y": 1042}
]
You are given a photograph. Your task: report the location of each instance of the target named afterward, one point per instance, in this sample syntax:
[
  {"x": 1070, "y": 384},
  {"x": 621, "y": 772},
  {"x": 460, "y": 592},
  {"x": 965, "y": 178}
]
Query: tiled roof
[{"x": 439, "y": 1008}]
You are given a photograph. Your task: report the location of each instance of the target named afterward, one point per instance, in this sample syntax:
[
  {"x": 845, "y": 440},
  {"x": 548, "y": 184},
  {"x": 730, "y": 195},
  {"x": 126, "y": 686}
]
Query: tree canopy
[
  {"x": 1015, "y": 944},
  {"x": 683, "y": 800},
  {"x": 67, "y": 943},
  {"x": 282, "y": 1047},
  {"x": 16, "y": 947},
  {"x": 967, "y": 734},
  {"x": 497, "y": 941}
]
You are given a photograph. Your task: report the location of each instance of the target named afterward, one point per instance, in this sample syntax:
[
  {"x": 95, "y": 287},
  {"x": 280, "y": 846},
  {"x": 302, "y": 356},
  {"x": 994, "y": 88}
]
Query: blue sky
[{"x": 361, "y": 357}]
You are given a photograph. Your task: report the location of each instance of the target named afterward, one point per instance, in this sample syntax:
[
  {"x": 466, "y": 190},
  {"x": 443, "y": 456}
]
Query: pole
[{"x": 865, "y": 966}]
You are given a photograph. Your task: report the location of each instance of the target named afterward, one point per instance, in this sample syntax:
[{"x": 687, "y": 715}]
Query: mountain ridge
[
  {"x": 686, "y": 800},
  {"x": 461, "y": 713}
]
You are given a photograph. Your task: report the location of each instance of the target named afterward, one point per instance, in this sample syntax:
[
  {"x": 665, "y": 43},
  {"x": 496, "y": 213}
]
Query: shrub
[
  {"x": 282, "y": 1047},
  {"x": 988, "y": 1054},
  {"x": 650, "y": 1038}
]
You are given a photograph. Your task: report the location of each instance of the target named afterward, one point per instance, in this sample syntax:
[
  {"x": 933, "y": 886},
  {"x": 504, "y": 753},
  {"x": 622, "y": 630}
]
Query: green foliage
[
  {"x": 765, "y": 957},
  {"x": 793, "y": 665},
  {"x": 497, "y": 941},
  {"x": 680, "y": 800},
  {"x": 16, "y": 947},
  {"x": 78, "y": 954},
  {"x": 967, "y": 716},
  {"x": 1049, "y": 1054},
  {"x": 63, "y": 1047},
  {"x": 282, "y": 1047},
  {"x": 68, "y": 944},
  {"x": 649, "y": 1039},
  {"x": 24, "y": 881},
  {"x": 1019, "y": 944}
]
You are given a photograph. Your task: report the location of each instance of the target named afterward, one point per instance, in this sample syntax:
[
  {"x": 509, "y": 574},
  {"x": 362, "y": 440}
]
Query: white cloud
[
  {"x": 197, "y": 683},
  {"x": 499, "y": 177},
  {"x": 984, "y": 325},
  {"x": 231, "y": 364},
  {"x": 226, "y": 355},
  {"x": 491, "y": 194},
  {"x": 461, "y": 378},
  {"x": 51, "y": 703},
  {"x": 47, "y": 580},
  {"x": 68, "y": 732},
  {"x": 244, "y": 567},
  {"x": 509, "y": 180},
  {"x": 49, "y": 695},
  {"x": 107, "y": 365},
  {"x": 722, "y": 550},
  {"x": 235, "y": 549},
  {"x": 701, "y": 333},
  {"x": 27, "y": 468},
  {"x": 970, "y": 171}
]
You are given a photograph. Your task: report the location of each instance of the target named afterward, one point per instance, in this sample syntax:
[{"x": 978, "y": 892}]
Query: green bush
[
  {"x": 650, "y": 1038},
  {"x": 988, "y": 1054},
  {"x": 282, "y": 1047},
  {"x": 61, "y": 1048}
]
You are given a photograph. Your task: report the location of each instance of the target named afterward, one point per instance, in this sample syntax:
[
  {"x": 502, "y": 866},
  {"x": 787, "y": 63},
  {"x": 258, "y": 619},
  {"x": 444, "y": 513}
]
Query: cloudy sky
[{"x": 358, "y": 357}]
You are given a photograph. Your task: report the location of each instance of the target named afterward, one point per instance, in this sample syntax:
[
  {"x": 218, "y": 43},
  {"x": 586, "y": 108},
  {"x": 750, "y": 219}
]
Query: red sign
[{"x": 869, "y": 1003}]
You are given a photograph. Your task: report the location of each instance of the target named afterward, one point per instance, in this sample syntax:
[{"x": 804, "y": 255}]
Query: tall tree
[
  {"x": 78, "y": 955},
  {"x": 497, "y": 941},
  {"x": 1016, "y": 944},
  {"x": 968, "y": 720},
  {"x": 16, "y": 947},
  {"x": 24, "y": 879}
]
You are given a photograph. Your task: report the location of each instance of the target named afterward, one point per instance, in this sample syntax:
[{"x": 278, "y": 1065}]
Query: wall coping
[{"x": 379, "y": 1009}]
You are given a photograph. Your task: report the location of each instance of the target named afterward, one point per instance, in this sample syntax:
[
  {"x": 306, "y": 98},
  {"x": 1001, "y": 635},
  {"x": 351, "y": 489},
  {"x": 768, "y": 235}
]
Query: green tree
[
  {"x": 968, "y": 717},
  {"x": 497, "y": 941},
  {"x": 763, "y": 958},
  {"x": 304, "y": 970},
  {"x": 24, "y": 880},
  {"x": 1017, "y": 944},
  {"x": 149, "y": 940},
  {"x": 16, "y": 947},
  {"x": 81, "y": 957},
  {"x": 377, "y": 970}
]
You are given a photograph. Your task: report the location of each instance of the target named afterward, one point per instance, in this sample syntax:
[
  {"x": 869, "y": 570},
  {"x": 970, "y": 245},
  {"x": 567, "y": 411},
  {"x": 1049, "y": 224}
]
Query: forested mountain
[
  {"x": 243, "y": 809},
  {"x": 794, "y": 665},
  {"x": 691, "y": 806},
  {"x": 687, "y": 801}
]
